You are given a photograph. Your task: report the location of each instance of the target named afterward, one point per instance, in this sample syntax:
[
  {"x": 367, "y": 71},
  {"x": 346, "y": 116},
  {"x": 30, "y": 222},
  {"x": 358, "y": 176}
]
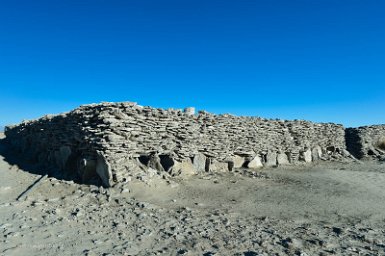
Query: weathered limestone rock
[
  {"x": 216, "y": 166},
  {"x": 114, "y": 138},
  {"x": 307, "y": 156},
  {"x": 282, "y": 159},
  {"x": 199, "y": 162},
  {"x": 255, "y": 163},
  {"x": 271, "y": 159},
  {"x": 154, "y": 163},
  {"x": 185, "y": 167},
  {"x": 238, "y": 161},
  {"x": 119, "y": 114},
  {"x": 347, "y": 154},
  {"x": 103, "y": 169},
  {"x": 316, "y": 153}
]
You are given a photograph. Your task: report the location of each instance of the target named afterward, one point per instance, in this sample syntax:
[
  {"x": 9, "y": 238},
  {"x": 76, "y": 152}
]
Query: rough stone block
[
  {"x": 103, "y": 169},
  {"x": 216, "y": 166},
  {"x": 154, "y": 163},
  {"x": 199, "y": 162},
  {"x": 238, "y": 161},
  {"x": 190, "y": 111},
  {"x": 271, "y": 159},
  {"x": 282, "y": 159},
  {"x": 307, "y": 156},
  {"x": 255, "y": 163},
  {"x": 185, "y": 167},
  {"x": 316, "y": 153}
]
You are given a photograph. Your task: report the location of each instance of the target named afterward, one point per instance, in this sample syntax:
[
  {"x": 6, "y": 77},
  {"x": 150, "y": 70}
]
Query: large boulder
[{"x": 255, "y": 163}]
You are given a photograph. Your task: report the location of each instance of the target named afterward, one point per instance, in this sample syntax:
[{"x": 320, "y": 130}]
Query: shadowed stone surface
[{"x": 366, "y": 142}]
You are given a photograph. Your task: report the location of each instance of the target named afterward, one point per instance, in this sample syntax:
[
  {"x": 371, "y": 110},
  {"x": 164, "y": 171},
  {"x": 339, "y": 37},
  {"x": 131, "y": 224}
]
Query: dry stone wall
[
  {"x": 366, "y": 142},
  {"x": 107, "y": 142}
]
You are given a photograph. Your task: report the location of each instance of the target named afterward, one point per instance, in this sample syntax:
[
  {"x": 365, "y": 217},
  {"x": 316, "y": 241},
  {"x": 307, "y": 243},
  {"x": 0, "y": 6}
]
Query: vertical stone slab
[
  {"x": 216, "y": 166},
  {"x": 282, "y": 159},
  {"x": 187, "y": 167},
  {"x": 307, "y": 156},
  {"x": 271, "y": 159},
  {"x": 316, "y": 153},
  {"x": 255, "y": 163},
  {"x": 199, "y": 162},
  {"x": 238, "y": 161},
  {"x": 155, "y": 163},
  {"x": 103, "y": 169}
]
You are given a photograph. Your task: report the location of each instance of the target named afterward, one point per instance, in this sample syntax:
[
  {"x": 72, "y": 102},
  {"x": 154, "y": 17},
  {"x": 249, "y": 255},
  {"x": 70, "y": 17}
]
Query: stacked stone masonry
[
  {"x": 366, "y": 142},
  {"x": 106, "y": 142}
]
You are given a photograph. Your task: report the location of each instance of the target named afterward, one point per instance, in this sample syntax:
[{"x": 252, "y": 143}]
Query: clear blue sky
[{"x": 318, "y": 60}]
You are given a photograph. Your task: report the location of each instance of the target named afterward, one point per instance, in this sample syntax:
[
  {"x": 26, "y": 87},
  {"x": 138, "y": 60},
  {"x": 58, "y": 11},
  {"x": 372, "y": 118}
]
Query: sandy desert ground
[{"x": 322, "y": 209}]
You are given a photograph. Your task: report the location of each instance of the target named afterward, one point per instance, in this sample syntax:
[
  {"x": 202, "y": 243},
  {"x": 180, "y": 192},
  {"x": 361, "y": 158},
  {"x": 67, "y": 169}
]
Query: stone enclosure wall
[
  {"x": 108, "y": 142},
  {"x": 366, "y": 142}
]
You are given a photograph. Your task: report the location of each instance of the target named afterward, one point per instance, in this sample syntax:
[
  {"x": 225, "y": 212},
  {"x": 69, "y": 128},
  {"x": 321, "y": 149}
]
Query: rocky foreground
[{"x": 324, "y": 209}]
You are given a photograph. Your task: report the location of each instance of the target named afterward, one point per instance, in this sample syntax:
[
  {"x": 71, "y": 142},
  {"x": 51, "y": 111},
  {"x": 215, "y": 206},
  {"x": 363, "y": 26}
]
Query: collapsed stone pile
[{"x": 107, "y": 142}]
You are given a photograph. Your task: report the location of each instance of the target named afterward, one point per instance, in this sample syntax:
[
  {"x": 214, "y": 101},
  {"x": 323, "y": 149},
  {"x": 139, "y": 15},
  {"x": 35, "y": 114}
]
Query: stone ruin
[
  {"x": 107, "y": 143},
  {"x": 366, "y": 142}
]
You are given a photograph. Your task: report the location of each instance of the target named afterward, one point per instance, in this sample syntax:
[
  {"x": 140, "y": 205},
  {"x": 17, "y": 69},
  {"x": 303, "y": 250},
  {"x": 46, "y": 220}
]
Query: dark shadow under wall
[{"x": 14, "y": 158}]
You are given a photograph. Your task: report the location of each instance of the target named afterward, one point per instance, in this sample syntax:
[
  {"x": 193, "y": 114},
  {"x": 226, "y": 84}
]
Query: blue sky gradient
[{"x": 319, "y": 60}]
